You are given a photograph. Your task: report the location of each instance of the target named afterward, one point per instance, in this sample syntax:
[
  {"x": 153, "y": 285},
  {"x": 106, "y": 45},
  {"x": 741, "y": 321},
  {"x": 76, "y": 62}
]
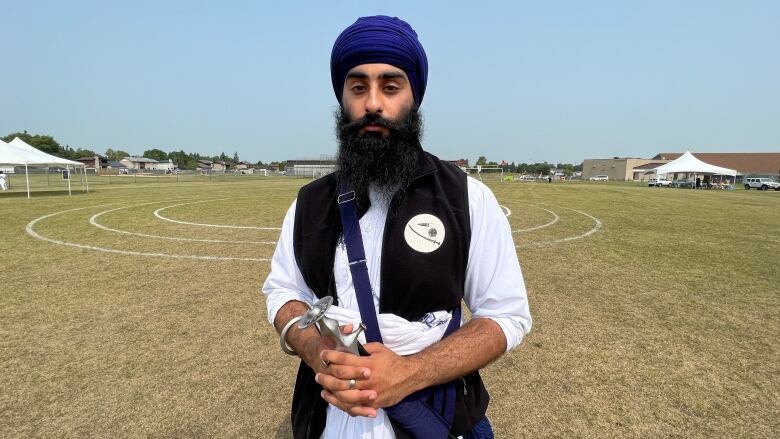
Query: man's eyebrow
[
  {"x": 391, "y": 75},
  {"x": 357, "y": 75},
  {"x": 384, "y": 75}
]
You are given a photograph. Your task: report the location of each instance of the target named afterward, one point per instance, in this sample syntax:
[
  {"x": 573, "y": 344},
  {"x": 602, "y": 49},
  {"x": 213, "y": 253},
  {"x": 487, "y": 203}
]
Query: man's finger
[
  {"x": 332, "y": 383},
  {"x": 351, "y": 409},
  {"x": 352, "y": 397},
  {"x": 348, "y": 372},
  {"x": 345, "y": 358},
  {"x": 347, "y": 329}
]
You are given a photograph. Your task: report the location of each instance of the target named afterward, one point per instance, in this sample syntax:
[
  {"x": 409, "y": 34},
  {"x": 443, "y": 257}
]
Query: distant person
[
  {"x": 430, "y": 237},
  {"x": 3, "y": 181},
  {"x": 549, "y": 179},
  {"x": 698, "y": 182}
]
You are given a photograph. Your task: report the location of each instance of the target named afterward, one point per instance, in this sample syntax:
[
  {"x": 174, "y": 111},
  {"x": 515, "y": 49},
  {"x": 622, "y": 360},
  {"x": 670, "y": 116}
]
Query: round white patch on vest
[{"x": 424, "y": 233}]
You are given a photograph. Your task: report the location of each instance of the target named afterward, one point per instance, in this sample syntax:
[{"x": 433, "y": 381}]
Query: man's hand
[
  {"x": 307, "y": 343},
  {"x": 381, "y": 379},
  {"x": 391, "y": 377}
]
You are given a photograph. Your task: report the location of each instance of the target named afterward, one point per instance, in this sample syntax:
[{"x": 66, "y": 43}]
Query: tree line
[
  {"x": 538, "y": 168},
  {"x": 181, "y": 159},
  {"x": 185, "y": 160}
]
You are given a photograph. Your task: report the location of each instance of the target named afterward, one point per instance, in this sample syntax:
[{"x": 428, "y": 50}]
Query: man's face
[{"x": 379, "y": 89}]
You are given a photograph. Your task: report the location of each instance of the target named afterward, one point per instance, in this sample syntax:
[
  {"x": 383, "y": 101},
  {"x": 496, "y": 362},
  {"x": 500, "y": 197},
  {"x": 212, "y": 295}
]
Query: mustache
[{"x": 355, "y": 126}]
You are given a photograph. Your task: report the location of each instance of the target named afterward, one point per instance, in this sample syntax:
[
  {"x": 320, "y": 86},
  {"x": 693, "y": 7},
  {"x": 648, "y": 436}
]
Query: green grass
[{"x": 663, "y": 323}]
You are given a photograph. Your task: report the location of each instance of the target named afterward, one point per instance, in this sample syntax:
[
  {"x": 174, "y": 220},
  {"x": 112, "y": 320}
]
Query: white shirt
[{"x": 494, "y": 285}]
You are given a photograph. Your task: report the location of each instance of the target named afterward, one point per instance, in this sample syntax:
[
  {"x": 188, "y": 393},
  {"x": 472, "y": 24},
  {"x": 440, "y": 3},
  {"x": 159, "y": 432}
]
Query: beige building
[{"x": 617, "y": 168}]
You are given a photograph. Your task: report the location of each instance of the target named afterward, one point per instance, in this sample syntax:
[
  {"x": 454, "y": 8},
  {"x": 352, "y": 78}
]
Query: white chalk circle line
[
  {"x": 93, "y": 221},
  {"x": 597, "y": 226},
  {"x": 554, "y": 219},
  {"x": 224, "y": 226},
  {"x": 30, "y": 231}
]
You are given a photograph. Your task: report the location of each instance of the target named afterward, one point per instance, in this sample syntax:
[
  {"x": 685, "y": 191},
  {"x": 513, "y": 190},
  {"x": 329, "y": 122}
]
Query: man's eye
[
  {"x": 391, "y": 88},
  {"x": 358, "y": 89}
]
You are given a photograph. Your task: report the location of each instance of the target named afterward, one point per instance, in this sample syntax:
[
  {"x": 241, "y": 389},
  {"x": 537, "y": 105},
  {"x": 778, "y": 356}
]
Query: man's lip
[{"x": 373, "y": 127}]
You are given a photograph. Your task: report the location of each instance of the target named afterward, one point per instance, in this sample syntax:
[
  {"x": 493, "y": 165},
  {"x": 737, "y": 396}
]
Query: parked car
[
  {"x": 684, "y": 183},
  {"x": 761, "y": 183},
  {"x": 599, "y": 178},
  {"x": 526, "y": 178},
  {"x": 659, "y": 182}
]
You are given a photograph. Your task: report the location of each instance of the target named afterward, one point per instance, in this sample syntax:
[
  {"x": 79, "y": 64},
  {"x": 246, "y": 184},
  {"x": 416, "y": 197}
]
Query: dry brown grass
[{"x": 663, "y": 324}]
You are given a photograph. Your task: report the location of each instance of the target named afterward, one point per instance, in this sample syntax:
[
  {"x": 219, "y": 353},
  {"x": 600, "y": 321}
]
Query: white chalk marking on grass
[
  {"x": 598, "y": 225},
  {"x": 506, "y": 210},
  {"x": 93, "y": 221},
  {"x": 225, "y": 226},
  {"x": 547, "y": 224},
  {"x": 30, "y": 231}
]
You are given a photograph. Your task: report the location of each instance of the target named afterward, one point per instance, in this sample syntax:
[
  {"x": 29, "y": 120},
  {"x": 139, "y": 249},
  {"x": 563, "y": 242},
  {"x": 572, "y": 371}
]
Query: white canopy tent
[
  {"x": 17, "y": 152},
  {"x": 689, "y": 164}
]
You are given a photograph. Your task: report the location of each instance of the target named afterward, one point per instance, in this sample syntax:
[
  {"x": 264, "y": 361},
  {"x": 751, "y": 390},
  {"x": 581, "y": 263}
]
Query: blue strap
[
  {"x": 357, "y": 265},
  {"x": 412, "y": 413}
]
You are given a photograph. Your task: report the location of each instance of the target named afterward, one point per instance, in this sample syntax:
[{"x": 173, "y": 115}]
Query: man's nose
[{"x": 373, "y": 102}]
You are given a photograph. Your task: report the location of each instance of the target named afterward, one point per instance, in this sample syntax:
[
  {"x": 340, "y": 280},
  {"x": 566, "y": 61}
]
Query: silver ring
[
  {"x": 325, "y": 362},
  {"x": 352, "y": 383}
]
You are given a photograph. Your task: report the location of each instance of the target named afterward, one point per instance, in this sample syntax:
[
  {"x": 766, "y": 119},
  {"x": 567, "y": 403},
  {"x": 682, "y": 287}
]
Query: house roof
[
  {"x": 743, "y": 162},
  {"x": 140, "y": 159},
  {"x": 116, "y": 164},
  {"x": 651, "y": 165}
]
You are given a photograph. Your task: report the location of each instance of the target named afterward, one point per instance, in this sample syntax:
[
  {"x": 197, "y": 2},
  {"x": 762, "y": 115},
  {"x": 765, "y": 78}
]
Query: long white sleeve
[
  {"x": 285, "y": 282},
  {"x": 494, "y": 281}
]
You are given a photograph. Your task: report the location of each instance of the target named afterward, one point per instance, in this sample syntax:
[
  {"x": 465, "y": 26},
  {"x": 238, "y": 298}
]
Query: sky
[{"x": 556, "y": 81}]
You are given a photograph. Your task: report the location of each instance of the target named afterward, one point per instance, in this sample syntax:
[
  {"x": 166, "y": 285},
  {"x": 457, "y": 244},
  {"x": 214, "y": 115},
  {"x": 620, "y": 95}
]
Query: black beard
[{"x": 387, "y": 163}]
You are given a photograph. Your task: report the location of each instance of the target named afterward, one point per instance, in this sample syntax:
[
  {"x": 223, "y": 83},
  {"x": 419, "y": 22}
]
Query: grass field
[{"x": 656, "y": 312}]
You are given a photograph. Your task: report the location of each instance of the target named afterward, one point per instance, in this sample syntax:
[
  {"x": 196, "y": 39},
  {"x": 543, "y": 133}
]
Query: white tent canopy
[
  {"x": 18, "y": 152},
  {"x": 36, "y": 157},
  {"x": 687, "y": 163},
  {"x": 12, "y": 156}
]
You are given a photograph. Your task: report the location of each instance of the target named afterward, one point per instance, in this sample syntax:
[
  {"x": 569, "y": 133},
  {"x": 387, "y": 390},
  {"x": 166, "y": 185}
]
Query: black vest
[{"x": 412, "y": 283}]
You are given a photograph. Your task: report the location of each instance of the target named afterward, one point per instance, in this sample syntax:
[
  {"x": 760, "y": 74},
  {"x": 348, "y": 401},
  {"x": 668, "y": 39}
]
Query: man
[
  {"x": 432, "y": 237},
  {"x": 3, "y": 182}
]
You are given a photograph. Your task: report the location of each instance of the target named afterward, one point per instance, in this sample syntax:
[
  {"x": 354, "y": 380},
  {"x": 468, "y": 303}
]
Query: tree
[
  {"x": 481, "y": 160},
  {"x": 235, "y": 157},
  {"x": 116, "y": 155},
  {"x": 44, "y": 143},
  {"x": 79, "y": 153},
  {"x": 182, "y": 160},
  {"x": 155, "y": 154}
]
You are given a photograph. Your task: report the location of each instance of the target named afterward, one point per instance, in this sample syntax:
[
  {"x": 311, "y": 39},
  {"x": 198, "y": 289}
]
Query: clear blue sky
[{"x": 523, "y": 81}]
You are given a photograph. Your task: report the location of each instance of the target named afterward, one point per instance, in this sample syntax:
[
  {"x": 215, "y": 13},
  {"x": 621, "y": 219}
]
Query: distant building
[
  {"x": 645, "y": 172},
  {"x": 138, "y": 162},
  {"x": 164, "y": 165},
  {"x": 616, "y": 168},
  {"x": 759, "y": 164},
  {"x": 116, "y": 165},
  {"x": 243, "y": 165},
  {"x": 148, "y": 164},
  {"x": 204, "y": 165},
  {"x": 96, "y": 162},
  {"x": 312, "y": 168}
]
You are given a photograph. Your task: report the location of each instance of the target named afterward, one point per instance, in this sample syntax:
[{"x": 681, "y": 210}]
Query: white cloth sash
[{"x": 400, "y": 336}]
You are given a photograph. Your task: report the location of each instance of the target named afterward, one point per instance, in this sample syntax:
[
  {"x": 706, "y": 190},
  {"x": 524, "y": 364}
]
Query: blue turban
[{"x": 380, "y": 39}]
